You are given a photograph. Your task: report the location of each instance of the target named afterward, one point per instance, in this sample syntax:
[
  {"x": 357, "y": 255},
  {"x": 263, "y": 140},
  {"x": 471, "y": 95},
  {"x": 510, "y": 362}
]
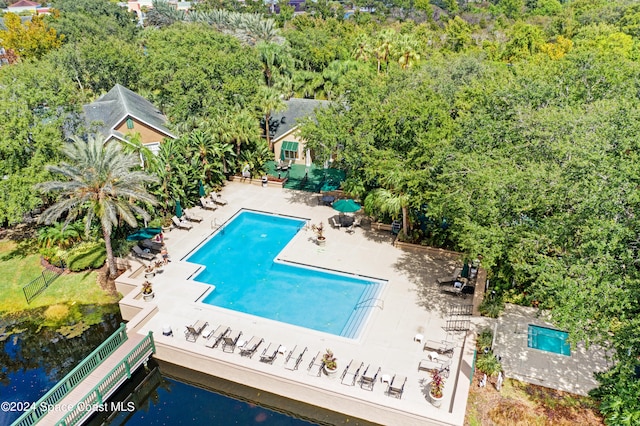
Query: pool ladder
[
  {"x": 377, "y": 303},
  {"x": 214, "y": 224}
]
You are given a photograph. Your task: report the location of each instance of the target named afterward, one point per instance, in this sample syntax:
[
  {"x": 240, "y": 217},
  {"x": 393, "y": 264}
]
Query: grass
[
  {"x": 523, "y": 404},
  {"x": 20, "y": 263}
]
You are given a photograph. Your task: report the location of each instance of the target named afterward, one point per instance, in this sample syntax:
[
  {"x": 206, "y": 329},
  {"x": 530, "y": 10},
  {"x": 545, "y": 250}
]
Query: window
[{"x": 129, "y": 123}]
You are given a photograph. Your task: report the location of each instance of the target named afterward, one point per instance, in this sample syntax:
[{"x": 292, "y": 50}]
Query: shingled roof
[
  {"x": 297, "y": 109},
  {"x": 119, "y": 104}
]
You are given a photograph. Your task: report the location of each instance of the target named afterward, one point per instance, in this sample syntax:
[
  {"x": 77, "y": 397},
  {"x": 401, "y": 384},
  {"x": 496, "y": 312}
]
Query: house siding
[{"x": 147, "y": 133}]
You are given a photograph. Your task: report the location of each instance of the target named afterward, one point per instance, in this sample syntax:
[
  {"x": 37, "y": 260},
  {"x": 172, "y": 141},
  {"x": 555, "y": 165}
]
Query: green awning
[{"x": 289, "y": 146}]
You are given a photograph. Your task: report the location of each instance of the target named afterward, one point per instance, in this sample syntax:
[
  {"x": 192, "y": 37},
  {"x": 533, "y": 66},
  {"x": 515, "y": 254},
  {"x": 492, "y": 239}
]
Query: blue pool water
[
  {"x": 548, "y": 339},
  {"x": 239, "y": 261}
]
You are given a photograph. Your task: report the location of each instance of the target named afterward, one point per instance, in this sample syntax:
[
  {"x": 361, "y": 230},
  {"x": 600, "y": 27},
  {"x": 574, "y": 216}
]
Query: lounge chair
[
  {"x": 230, "y": 341},
  {"x": 315, "y": 366},
  {"x": 396, "y": 387},
  {"x": 151, "y": 245},
  {"x": 138, "y": 252},
  {"x": 214, "y": 339},
  {"x": 191, "y": 217},
  {"x": 431, "y": 366},
  {"x": 270, "y": 353},
  {"x": 294, "y": 358},
  {"x": 193, "y": 331},
  {"x": 250, "y": 347},
  {"x": 181, "y": 224},
  {"x": 369, "y": 377},
  {"x": 450, "y": 279},
  {"x": 208, "y": 204},
  {"x": 217, "y": 198},
  {"x": 350, "y": 374},
  {"x": 441, "y": 348}
]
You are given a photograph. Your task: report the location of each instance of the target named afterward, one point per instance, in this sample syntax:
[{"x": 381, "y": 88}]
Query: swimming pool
[
  {"x": 548, "y": 339},
  {"x": 241, "y": 262}
]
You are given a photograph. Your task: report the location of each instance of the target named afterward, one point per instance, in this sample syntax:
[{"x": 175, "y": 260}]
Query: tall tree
[
  {"x": 29, "y": 40},
  {"x": 99, "y": 184},
  {"x": 270, "y": 102}
]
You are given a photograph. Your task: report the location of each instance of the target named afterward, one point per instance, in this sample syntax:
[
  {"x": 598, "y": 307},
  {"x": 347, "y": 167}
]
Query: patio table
[{"x": 328, "y": 199}]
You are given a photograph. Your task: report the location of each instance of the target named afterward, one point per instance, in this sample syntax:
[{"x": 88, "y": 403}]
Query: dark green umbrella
[
  {"x": 144, "y": 234},
  {"x": 201, "y": 189},
  {"x": 346, "y": 206},
  {"x": 178, "y": 209}
]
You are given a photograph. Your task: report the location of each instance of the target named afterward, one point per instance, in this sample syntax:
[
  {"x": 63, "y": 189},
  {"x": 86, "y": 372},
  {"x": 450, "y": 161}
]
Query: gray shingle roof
[
  {"x": 297, "y": 109},
  {"x": 119, "y": 103}
]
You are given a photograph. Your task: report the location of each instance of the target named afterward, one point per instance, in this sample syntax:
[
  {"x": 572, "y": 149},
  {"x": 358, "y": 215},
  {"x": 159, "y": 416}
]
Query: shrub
[
  {"x": 87, "y": 256},
  {"x": 488, "y": 364},
  {"x": 485, "y": 339},
  {"x": 491, "y": 306}
]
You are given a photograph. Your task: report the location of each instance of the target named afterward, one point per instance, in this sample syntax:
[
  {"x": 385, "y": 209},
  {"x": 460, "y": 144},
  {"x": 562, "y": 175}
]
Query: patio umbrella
[
  {"x": 346, "y": 206},
  {"x": 201, "y": 190},
  {"x": 178, "y": 209},
  {"x": 144, "y": 234},
  {"x": 307, "y": 160}
]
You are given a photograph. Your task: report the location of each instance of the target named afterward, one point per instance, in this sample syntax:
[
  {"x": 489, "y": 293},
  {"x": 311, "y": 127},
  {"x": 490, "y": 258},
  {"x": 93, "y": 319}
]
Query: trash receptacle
[{"x": 264, "y": 181}]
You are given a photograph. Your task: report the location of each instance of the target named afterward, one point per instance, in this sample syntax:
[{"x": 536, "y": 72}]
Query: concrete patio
[
  {"x": 572, "y": 373},
  {"x": 412, "y": 305}
]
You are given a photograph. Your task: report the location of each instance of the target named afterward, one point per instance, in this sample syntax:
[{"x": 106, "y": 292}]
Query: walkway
[{"x": 96, "y": 377}]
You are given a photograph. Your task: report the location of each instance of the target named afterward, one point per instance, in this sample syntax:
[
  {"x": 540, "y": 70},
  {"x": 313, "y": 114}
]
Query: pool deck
[{"x": 411, "y": 304}]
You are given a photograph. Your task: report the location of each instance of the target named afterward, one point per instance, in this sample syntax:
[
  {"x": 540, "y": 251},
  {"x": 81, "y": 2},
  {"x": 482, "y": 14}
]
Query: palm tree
[
  {"x": 276, "y": 61},
  {"x": 384, "y": 48},
  {"x": 269, "y": 101},
  {"x": 407, "y": 48},
  {"x": 239, "y": 129},
  {"x": 99, "y": 184},
  {"x": 363, "y": 49}
]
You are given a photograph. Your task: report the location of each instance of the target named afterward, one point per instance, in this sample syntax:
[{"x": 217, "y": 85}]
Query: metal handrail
[
  {"x": 375, "y": 299},
  {"x": 75, "y": 376},
  {"x": 102, "y": 390}
]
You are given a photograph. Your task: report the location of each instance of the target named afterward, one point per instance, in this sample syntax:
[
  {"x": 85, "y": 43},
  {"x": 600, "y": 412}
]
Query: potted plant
[
  {"x": 436, "y": 388},
  {"x": 148, "y": 271},
  {"x": 329, "y": 363},
  {"x": 319, "y": 230},
  {"x": 147, "y": 291}
]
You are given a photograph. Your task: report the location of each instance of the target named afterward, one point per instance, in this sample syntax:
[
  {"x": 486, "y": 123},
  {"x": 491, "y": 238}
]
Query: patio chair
[
  {"x": 369, "y": 377},
  {"x": 294, "y": 358},
  {"x": 396, "y": 226},
  {"x": 181, "y": 224},
  {"x": 270, "y": 353},
  {"x": 249, "y": 347},
  {"x": 151, "y": 245},
  {"x": 193, "y": 331},
  {"x": 207, "y": 204},
  {"x": 441, "y": 348},
  {"x": 217, "y": 198},
  {"x": 334, "y": 224},
  {"x": 138, "y": 252},
  {"x": 191, "y": 217},
  {"x": 396, "y": 387},
  {"x": 350, "y": 374},
  {"x": 214, "y": 339},
  {"x": 315, "y": 366},
  {"x": 230, "y": 341}
]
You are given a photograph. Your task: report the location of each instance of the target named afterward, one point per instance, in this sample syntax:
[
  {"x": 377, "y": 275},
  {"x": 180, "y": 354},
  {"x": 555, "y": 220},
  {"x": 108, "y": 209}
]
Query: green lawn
[{"x": 19, "y": 264}]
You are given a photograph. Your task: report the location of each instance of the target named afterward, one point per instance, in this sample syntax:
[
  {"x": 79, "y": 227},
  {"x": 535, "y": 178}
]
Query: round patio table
[{"x": 328, "y": 199}]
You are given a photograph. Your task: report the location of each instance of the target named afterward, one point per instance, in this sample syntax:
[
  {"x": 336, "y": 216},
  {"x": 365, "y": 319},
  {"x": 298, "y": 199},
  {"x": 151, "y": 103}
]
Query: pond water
[{"x": 32, "y": 362}]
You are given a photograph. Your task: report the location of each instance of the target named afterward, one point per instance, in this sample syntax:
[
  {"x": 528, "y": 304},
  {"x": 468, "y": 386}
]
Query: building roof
[
  {"x": 25, "y": 3},
  {"x": 119, "y": 103},
  {"x": 297, "y": 109}
]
